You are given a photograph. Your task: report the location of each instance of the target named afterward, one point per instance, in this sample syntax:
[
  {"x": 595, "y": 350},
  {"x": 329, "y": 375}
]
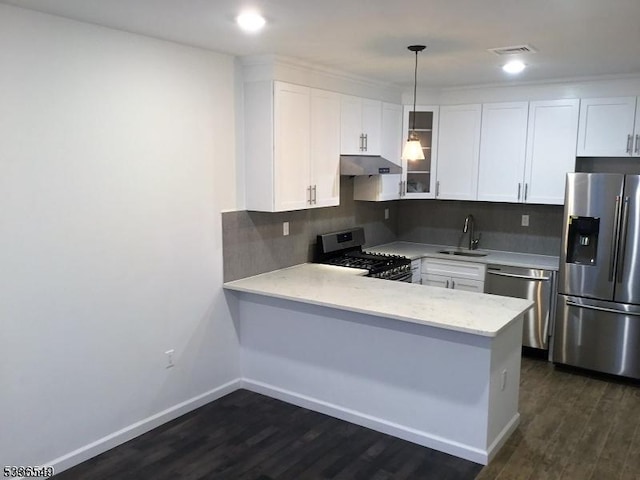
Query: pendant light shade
[{"x": 413, "y": 149}]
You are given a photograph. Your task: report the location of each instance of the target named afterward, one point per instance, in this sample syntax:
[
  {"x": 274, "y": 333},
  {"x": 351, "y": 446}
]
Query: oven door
[{"x": 404, "y": 277}]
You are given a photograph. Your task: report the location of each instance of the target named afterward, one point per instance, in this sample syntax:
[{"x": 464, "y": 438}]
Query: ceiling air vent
[{"x": 517, "y": 49}]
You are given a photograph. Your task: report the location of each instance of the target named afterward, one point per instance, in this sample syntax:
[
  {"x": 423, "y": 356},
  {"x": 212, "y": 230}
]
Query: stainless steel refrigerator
[{"x": 598, "y": 309}]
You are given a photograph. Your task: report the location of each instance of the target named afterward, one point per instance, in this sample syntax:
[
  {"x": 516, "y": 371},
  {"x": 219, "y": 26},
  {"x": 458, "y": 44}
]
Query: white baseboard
[
  {"x": 406, "y": 433},
  {"x": 143, "y": 426},
  {"x": 503, "y": 436},
  {"x": 401, "y": 431}
]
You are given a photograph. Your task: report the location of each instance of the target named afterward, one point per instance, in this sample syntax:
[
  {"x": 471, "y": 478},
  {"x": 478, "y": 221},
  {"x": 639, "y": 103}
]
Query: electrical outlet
[
  {"x": 285, "y": 228},
  {"x": 169, "y": 354},
  {"x": 386, "y": 214},
  {"x": 525, "y": 220}
]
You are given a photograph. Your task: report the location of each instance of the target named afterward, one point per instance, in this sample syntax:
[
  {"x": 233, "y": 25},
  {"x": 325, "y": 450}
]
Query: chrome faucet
[{"x": 469, "y": 227}]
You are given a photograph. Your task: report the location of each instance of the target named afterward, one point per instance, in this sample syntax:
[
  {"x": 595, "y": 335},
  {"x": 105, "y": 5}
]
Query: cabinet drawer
[
  {"x": 467, "y": 285},
  {"x": 443, "y": 281},
  {"x": 467, "y": 270}
]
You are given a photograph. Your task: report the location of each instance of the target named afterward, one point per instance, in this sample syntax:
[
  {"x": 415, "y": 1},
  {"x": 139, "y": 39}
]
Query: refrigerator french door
[{"x": 598, "y": 308}]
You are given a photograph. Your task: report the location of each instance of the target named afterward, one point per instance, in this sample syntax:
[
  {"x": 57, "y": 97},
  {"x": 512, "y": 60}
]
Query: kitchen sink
[{"x": 463, "y": 253}]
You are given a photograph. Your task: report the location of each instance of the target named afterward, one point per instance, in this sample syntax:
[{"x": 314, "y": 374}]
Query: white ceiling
[{"x": 574, "y": 38}]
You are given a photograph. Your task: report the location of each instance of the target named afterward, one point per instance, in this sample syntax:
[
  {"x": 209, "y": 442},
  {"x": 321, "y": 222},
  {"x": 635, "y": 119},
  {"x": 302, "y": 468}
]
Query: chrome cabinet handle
[
  {"x": 519, "y": 188},
  {"x": 447, "y": 284},
  {"x": 437, "y": 188},
  {"x": 629, "y": 143},
  {"x": 637, "y": 143},
  {"x": 362, "y": 142},
  {"x": 526, "y": 191},
  {"x": 315, "y": 194},
  {"x": 614, "y": 236},
  {"x": 623, "y": 238},
  {"x": 366, "y": 142},
  {"x": 400, "y": 188},
  {"x": 453, "y": 284},
  {"x": 309, "y": 194}
]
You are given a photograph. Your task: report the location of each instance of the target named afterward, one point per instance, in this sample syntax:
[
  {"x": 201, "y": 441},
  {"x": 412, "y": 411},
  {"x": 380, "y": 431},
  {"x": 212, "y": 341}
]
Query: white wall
[{"x": 116, "y": 158}]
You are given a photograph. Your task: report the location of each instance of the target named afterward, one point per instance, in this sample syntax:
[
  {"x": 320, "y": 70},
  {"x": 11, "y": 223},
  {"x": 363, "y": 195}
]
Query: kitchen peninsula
[{"x": 433, "y": 366}]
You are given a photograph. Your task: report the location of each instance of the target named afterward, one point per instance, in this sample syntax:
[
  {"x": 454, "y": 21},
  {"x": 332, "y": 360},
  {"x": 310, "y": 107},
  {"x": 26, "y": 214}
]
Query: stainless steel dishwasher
[{"x": 533, "y": 284}]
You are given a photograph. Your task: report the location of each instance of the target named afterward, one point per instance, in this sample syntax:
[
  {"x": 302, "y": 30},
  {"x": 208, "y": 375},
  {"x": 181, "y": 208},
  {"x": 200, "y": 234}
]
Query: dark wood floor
[
  {"x": 574, "y": 426},
  {"x": 249, "y": 436}
]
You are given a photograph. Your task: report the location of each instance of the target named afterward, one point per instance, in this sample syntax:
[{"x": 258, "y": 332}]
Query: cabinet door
[
  {"x": 372, "y": 126},
  {"x": 325, "y": 148},
  {"x": 291, "y": 146},
  {"x": 551, "y": 149},
  {"x": 378, "y": 188},
  {"x": 467, "y": 285},
  {"x": 605, "y": 126},
  {"x": 419, "y": 176},
  {"x": 503, "y": 141},
  {"x": 350, "y": 125},
  {"x": 458, "y": 150},
  {"x": 436, "y": 280}
]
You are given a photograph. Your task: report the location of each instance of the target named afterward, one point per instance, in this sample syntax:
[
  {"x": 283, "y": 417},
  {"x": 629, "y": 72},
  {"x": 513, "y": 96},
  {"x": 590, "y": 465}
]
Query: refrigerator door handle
[
  {"x": 569, "y": 303},
  {"x": 614, "y": 243},
  {"x": 623, "y": 238}
]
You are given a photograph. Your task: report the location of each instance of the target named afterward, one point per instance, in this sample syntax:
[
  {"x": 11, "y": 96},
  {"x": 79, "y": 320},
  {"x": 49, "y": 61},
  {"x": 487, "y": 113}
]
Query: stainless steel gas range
[{"x": 344, "y": 249}]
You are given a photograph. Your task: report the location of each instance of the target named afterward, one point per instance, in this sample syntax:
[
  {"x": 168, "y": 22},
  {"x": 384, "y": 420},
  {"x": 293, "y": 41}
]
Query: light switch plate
[
  {"x": 525, "y": 220},
  {"x": 285, "y": 228}
]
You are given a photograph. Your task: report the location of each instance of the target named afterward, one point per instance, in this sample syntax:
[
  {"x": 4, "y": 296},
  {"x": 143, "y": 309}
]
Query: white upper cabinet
[
  {"x": 502, "y": 151},
  {"x": 292, "y": 147},
  {"x": 607, "y": 127},
  {"x": 324, "y": 180},
  {"x": 292, "y": 137},
  {"x": 458, "y": 152},
  {"x": 419, "y": 176},
  {"x": 361, "y": 126},
  {"x": 379, "y": 188},
  {"x": 551, "y": 149}
]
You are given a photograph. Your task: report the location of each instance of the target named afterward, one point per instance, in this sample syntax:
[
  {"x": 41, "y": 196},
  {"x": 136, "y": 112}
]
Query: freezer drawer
[
  {"x": 532, "y": 284},
  {"x": 597, "y": 335}
]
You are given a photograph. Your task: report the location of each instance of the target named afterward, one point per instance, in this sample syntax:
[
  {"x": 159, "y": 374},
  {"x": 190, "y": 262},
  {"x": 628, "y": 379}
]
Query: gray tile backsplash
[
  {"x": 253, "y": 242},
  {"x": 499, "y": 224}
]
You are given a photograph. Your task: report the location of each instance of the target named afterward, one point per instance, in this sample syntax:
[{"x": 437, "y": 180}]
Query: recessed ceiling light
[
  {"x": 513, "y": 67},
  {"x": 250, "y": 21}
]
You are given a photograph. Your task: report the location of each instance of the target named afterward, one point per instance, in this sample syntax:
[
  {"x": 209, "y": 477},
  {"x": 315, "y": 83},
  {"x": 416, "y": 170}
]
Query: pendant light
[{"x": 413, "y": 149}]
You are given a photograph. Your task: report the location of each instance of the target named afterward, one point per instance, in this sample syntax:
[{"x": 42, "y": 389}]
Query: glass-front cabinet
[{"x": 419, "y": 176}]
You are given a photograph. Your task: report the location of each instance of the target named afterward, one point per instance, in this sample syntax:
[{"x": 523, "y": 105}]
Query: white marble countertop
[
  {"x": 347, "y": 289},
  {"x": 418, "y": 250}
]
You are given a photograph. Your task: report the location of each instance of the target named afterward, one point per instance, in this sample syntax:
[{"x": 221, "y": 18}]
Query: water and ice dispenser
[{"x": 582, "y": 244}]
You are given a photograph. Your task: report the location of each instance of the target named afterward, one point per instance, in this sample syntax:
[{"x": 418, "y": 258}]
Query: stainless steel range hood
[{"x": 367, "y": 165}]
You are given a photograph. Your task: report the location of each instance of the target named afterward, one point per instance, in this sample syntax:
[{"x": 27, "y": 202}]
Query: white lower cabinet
[{"x": 467, "y": 276}]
